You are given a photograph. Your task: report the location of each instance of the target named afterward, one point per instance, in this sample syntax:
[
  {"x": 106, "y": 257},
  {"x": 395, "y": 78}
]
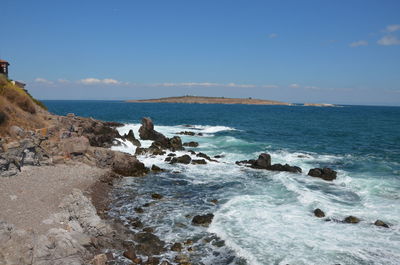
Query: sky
[{"x": 322, "y": 51}]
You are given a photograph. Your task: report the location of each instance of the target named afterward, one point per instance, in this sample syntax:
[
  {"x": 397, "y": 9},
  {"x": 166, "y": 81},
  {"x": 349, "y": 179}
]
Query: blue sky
[{"x": 327, "y": 51}]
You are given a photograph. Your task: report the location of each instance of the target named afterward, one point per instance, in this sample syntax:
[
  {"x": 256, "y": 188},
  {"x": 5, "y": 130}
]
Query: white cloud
[
  {"x": 312, "y": 87},
  {"x": 61, "y": 80},
  {"x": 389, "y": 40},
  {"x": 358, "y": 43},
  {"x": 392, "y": 28},
  {"x": 43, "y": 81},
  {"x": 272, "y": 35},
  {"x": 294, "y": 85},
  {"x": 95, "y": 81}
]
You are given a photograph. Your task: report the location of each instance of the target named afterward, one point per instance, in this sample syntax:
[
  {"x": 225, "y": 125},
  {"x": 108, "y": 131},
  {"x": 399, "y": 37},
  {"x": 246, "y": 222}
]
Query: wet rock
[
  {"x": 148, "y": 244},
  {"x": 152, "y": 150},
  {"x": 202, "y": 155},
  {"x": 214, "y": 201},
  {"x": 152, "y": 261},
  {"x": 138, "y": 209},
  {"x": 147, "y": 132},
  {"x": 156, "y": 196},
  {"x": 127, "y": 165},
  {"x": 177, "y": 247},
  {"x": 286, "y": 167},
  {"x": 148, "y": 229},
  {"x": 381, "y": 223},
  {"x": 185, "y": 159},
  {"x": 191, "y": 144},
  {"x": 130, "y": 254},
  {"x": 203, "y": 220},
  {"x": 135, "y": 222},
  {"x": 351, "y": 220},
  {"x": 199, "y": 161},
  {"x": 219, "y": 156},
  {"x": 175, "y": 143},
  {"x": 323, "y": 173},
  {"x": 319, "y": 213},
  {"x": 263, "y": 161},
  {"x": 156, "y": 168},
  {"x": 131, "y": 138},
  {"x": 171, "y": 154},
  {"x": 168, "y": 159},
  {"x": 186, "y": 133}
]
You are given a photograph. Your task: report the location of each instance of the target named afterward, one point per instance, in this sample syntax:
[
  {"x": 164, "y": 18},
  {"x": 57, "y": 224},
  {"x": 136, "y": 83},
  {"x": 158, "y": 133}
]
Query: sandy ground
[{"x": 32, "y": 196}]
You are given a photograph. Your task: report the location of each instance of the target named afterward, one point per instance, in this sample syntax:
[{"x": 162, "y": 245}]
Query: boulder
[
  {"x": 131, "y": 138},
  {"x": 202, "y": 155},
  {"x": 148, "y": 244},
  {"x": 191, "y": 144},
  {"x": 152, "y": 150},
  {"x": 351, "y": 220},
  {"x": 263, "y": 161},
  {"x": 147, "y": 132},
  {"x": 319, "y": 213},
  {"x": 76, "y": 145},
  {"x": 381, "y": 223},
  {"x": 186, "y": 133},
  {"x": 127, "y": 165},
  {"x": 185, "y": 159},
  {"x": 323, "y": 173},
  {"x": 175, "y": 143},
  {"x": 156, "y": 168},
  {"x": 16, "y": 131},
  {"x": 286, "y": 167},
  {"x": 203, "y": 220}
]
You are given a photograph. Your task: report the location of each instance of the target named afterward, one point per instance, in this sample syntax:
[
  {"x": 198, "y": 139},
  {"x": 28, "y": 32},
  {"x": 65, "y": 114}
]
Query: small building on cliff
[{"x": 4, "y": 71}]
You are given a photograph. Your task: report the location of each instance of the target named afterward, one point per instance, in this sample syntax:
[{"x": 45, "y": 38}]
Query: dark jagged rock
[
  {"x": 148, "y": 244},
  {"x": 191, "y": 144},
  {"x": 113, "y": 124},
  {"x": 186, "y": 133},
  {"x": 351, "y": 220},
  {"x": 175, "y": 143},
  {"x": 152, "y": 150},
  {"x": 171, "y": 154},
  {"x": 130, "y": 254},
  {"x": 381, "y": 223},
  {"x": 319, "y": 213},
  {"x": 138, "y": 209},
  {"x": 168, "y": 159},
  {"x": 286, "y": 167},
  {"x": 219, "y": 156},
  {"x": 152, "y": 261},
  {"x": 127, "y": 165},
  {"x": 206, "y": 157},
  {"x": 156, "y": 168},
  {"x": 185, "y": 159},
  {"x": 264, "y": 162},
  {"x": 199, "y": 161},
  {"x": 147, "y": 132},
  {"x": 203, "y": 220},
  {"x": 131, "y": 138},
  {"x": 156, "y": 196},
  {"x": 192, "y": 152},
  {"x": 323, "y": 173}
]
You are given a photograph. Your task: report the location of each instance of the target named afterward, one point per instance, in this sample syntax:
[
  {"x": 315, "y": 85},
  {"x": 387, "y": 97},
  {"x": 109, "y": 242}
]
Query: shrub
[{"x": 3, "y": 117}]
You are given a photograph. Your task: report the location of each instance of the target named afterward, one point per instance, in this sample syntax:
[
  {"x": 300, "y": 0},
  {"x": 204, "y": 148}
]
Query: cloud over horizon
[{"x": 358, "y": 43}]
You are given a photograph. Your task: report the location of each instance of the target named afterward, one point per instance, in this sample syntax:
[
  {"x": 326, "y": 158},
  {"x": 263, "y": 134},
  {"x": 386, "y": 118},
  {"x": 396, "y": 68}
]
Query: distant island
[{"x": 211, "y": 100}]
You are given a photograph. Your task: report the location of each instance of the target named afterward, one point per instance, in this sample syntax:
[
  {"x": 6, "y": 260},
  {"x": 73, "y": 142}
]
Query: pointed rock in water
[
  {"x": 131, "y": 138},
  {"x": 381, "y": 223},
  {"x": 185, "y": 159},
  {"x": 319, "y": 213},
  {"x": 263, "y": 161},
  {"x": 203, "y": 220},
  {"x": 324, "y": 173},
  {"x": 147, "y": 132},
  {"x": 351, "y": 220}
]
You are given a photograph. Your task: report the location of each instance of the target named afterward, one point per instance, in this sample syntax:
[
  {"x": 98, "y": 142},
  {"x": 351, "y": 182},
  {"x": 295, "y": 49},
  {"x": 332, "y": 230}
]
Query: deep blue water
[{"x": 266, "y": 217}]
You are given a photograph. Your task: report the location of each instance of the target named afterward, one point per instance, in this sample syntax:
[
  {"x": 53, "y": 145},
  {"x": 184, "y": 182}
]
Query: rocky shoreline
[{"x": 74, "y": 153}]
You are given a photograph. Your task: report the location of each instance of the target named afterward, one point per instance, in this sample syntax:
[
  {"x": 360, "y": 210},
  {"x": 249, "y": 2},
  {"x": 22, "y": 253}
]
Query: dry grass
[{"x": 17, "y": 108}]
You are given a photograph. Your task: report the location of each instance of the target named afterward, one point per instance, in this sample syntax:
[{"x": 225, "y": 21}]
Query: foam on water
[{"x": 267, "y": 217}]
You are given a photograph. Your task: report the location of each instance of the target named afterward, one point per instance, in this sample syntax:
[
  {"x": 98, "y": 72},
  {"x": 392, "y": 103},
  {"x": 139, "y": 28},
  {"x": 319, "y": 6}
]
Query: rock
[
  {"x": 148, "y": 229},
  {"x": 286, "y": 167},
  {"x": 186, "y": 133},
  {"x": 76, "y": 145},
  {"x": 182, "y": 259},
  {"x": 130, "y": 254},
  {"x": 148, "y": 244},
  {"x": 135, "y": 222},
  {"x": 138, "y": 209},
  {"x": 185, "y": 159},
  {"x": 168, "y": 159},
  {"x": 324, "y": 173},
  {"x": 127, "y": 165},
  {"x": 152, "y": 261},
  {"x": 100, "y": 259},
  {"x": 131, "y": 138},
  {"x": 351, "y": 220},
  {"x": 16, "y": 131},
  {"x": 204, "y": 156},
  {"x": 177, "y": 247},
  {"x": 171, "y": 154},
  {"x": 147, "y": 132},
  {"x": 203, "y": 220},
  {"x": 156, "y": 168},
  {"x": 381, "y": 223},
  {"x": 191, "y": 144},
  {"x": 152, "y": 150},
  {"x": 70, "y": 115},
  {"x": 214, "y": 201},
  {"x": 319, "y": 213},
  {"x": 219, "y": 156},
  {"x": 156, "y": 196},
  {"x": 175, "y": 144},
  {"x": 199, "y": 162},
  {"x": 263, "y": 161}
]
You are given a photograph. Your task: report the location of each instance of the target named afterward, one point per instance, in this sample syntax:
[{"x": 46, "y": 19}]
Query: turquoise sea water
[{"x": 266, "y": 217}]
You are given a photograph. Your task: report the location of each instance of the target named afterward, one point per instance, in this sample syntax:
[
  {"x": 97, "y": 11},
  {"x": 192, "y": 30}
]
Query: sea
[{"x": 260, "y": 216}]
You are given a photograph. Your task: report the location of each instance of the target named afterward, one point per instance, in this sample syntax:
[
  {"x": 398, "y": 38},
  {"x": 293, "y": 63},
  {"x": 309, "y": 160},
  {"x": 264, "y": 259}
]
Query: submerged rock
[
  {"x": 203, "y": 220},
  {"x": 381, "y": 223},
  {"x": 186, "y": 133},
  {"x": 319, "y": 213},
  {"x": 191, "y": 144},
  {"x": 324, "y": 173},
  {"x": 351, "y": 220}
]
